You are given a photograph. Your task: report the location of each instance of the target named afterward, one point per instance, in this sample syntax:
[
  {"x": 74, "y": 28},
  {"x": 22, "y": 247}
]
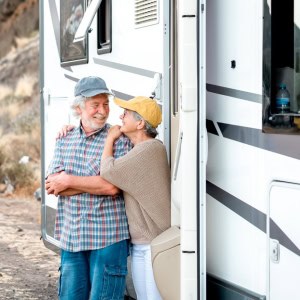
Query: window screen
[{"x": 71, "y": 14}]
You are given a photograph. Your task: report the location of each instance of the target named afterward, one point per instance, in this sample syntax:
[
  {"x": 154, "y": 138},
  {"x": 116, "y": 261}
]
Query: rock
[
  {"x": 2, "y": 187},
  {"x": 17, "y": 18},
  {"x": 9, "y": 190},
  {"x": 24, "y": 160},
  {"x": 38, "y": 194}
]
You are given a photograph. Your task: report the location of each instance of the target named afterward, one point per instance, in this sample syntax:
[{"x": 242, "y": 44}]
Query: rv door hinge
[
  {"x": 189, "y": 16},
  {"x": 202, "y": 8},
  {"x": 156, "y": 86}
]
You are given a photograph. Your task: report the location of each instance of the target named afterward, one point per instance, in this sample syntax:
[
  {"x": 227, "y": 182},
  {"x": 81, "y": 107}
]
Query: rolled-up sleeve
[{"x": 56, "y": 165}]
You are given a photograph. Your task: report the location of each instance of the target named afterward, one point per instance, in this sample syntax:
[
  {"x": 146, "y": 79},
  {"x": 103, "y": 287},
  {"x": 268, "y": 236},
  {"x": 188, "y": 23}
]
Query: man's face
[{"x": 95, "y": 112}]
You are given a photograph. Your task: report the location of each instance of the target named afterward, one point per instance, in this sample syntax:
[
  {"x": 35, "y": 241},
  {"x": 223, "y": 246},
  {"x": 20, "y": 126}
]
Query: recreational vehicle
[{"x": 227, "y": 77}]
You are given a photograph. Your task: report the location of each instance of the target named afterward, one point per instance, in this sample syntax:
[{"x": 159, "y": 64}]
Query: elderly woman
[{"x": 144, "y": 176}]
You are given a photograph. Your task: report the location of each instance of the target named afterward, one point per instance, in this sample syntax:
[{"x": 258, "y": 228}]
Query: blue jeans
[{"x": 95, "y": 274}]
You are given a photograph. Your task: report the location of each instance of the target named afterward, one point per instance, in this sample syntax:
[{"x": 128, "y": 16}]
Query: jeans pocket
[{"x": 114, "y": 281}]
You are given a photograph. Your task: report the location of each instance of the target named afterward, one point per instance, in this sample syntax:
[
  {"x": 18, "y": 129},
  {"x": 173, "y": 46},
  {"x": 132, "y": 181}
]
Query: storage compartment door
[{"x": 284, "y": 230}]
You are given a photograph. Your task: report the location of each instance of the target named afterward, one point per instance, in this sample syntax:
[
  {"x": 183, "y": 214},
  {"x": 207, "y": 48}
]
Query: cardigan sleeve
[
  {"x": 125, "y": 172},
  {"x": 121, "y": 171}
]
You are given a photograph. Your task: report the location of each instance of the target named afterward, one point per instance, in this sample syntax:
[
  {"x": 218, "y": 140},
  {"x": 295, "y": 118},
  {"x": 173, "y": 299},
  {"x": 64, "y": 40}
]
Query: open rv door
[
  {"x": 189, "y": 142},
  {"x": 192, "y": 164}
]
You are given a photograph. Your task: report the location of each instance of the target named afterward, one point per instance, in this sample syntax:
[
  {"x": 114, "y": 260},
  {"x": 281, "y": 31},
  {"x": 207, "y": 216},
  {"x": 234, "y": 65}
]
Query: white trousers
[{"x": 142, "y": 273}]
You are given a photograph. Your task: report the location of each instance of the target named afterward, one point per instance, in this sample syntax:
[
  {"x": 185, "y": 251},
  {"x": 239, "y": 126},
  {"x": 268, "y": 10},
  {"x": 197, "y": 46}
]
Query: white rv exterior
[{"x": 234, "y": 158}]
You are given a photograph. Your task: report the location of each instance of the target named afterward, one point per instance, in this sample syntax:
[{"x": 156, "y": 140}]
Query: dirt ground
[{"x": 28, "y": 270}]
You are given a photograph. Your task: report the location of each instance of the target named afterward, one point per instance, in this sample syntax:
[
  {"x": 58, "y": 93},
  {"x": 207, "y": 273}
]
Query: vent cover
[{"x": 146, "y": 13}]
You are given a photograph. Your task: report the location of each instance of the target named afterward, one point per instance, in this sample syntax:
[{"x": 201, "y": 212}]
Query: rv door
[{"x": 189, "y": 171}]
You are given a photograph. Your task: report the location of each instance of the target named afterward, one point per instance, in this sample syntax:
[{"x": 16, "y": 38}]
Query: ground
[{"x": 28, "y": 270}]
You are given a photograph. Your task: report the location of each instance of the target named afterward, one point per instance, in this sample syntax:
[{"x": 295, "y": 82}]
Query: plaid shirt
[{"x": 86, "y": 221}]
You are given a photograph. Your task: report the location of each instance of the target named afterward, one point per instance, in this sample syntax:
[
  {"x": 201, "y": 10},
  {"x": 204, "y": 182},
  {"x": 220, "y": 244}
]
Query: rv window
[
  {"x": 104, "y": 27},
  {"x": 281, "y": 67},
  {"x": 71, "y": 13}
]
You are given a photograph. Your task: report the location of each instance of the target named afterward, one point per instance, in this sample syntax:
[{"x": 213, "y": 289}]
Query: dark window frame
[
  {"x": 104, "y": 27},
  {"x": 281, "y": 64}
]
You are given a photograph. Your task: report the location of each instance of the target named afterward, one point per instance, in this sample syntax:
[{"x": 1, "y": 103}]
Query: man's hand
[{"x": 56, "y": 183}]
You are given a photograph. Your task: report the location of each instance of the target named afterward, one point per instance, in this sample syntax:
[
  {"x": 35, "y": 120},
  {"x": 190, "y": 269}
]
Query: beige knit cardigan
[{"x": 144, "y": 176}]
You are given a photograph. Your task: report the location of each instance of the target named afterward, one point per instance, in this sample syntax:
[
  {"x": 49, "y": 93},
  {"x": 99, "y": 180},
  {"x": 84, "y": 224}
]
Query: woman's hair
[
  {"x": 150, "y": 130},
  {"x": 79, "y": 101}
]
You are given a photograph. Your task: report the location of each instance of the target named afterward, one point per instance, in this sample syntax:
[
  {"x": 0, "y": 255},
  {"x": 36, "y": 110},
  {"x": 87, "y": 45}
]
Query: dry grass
[
  {"x": 20, "y": 119},
  {"x": 21, "y": 42},
  {"x": 5, "y": 93},
  {"x": 20, "y": 135},
  {"x": 15, "y": 146},
  {"x": 12, "y": 110},
  {"x": 25, "y": 86}
]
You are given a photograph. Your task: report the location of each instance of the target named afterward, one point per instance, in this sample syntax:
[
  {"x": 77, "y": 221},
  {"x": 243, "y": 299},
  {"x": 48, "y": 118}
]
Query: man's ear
[
  {"x": 78, "y": 110},
  {"x": 141, "y": 124}
]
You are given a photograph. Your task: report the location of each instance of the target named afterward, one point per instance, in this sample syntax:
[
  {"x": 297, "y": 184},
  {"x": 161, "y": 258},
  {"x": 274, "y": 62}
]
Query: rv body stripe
[
  {"x": 71, "y": 78},
  {"x": 125, "y": 68},
  {"x": 244, "y": 210},
  {"x": 116, "y": 93},
  {"x": 252, "y": 215},
  {"x": 211, "y": 128},
  {"x": 287, "y": 145},
  {"x": 122, "y": 95},
  {"x": 277, "y": 234},
  {"x": 216, "y": 89},
  {"x": 218, "y": 288},
  {"x": 55, "y": 22}
]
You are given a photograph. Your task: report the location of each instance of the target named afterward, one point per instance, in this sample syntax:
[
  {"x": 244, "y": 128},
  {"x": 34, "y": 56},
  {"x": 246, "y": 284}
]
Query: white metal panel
[
  {"x": 234, "y": 111},
  {"x": 238, "y": 169},
  {"x": 136, "y": 47},
  {"x": 234, "y": 32},
  {"x": 236, "y": 249}
]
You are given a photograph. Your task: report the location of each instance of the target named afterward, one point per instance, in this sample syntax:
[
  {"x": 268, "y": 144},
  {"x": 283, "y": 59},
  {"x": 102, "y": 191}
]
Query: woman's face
[{"x": 129, "y": 123}]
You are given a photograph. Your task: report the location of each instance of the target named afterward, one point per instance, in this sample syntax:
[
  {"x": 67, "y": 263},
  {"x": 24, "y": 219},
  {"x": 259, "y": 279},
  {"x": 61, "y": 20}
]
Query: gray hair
[
  {"x": 79, "y": 101},
  {"x": 149, "y": 129}
]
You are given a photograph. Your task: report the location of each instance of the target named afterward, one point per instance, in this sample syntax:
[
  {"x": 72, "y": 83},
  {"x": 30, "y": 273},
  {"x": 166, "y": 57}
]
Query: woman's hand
[
  {"x": 114, "y": 132},
  {"x": 64, "y": 131}
]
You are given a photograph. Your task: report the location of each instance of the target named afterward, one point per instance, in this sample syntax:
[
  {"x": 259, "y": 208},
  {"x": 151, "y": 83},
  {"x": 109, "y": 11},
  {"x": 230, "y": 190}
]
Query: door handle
[{"x": 275, "y": 251}]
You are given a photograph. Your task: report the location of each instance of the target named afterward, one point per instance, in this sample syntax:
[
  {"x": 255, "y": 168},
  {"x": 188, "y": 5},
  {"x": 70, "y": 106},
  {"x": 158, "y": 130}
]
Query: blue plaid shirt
[{"x": 86, "y": 221}]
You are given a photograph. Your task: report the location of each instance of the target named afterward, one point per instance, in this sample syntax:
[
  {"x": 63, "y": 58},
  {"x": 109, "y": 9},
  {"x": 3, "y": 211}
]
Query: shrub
[
  {"x": 25, "y": 178},
  {"x": 20, "y": 175},
  {"x": 25, "y": 86},
  {"x": 6, "y": 93}
]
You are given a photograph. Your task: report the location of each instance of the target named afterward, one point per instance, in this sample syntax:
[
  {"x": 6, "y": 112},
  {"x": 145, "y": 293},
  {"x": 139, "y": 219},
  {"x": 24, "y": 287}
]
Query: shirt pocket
[{"x": 93, "y": 166}]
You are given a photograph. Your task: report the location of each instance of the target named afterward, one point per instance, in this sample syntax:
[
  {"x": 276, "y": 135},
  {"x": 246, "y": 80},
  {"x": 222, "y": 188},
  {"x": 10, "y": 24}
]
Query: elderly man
[{"x": 91, "y": 222}]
